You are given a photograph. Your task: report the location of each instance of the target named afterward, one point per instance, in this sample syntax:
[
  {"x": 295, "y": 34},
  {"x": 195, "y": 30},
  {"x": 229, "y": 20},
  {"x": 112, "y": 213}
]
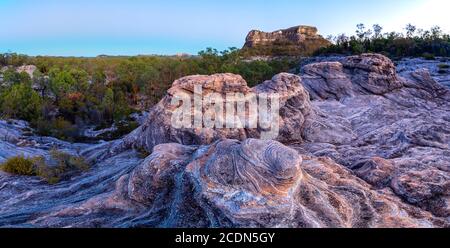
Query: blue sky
[{"x": 90, "y": 28}]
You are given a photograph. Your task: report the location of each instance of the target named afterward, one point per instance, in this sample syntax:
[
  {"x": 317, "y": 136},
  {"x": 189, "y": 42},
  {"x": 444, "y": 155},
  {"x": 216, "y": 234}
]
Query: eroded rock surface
[
  {"x": 368, "y": 74},
  {"x": 399, "y": 125},
  {"x": 230, "y": 183},
  {"x": 438, "y": 68}
]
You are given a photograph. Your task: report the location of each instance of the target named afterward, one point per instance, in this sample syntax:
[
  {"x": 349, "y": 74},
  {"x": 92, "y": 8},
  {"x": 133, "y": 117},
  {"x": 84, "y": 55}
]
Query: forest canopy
[{"x": 414, "y": 42}]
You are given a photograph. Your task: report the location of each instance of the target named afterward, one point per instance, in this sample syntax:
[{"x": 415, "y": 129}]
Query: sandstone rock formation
[
  {"x": 257, "y": 183},
  {"x": 158, "y": 129},
  {"x": 367, "y": 74},
  {"x": 406, "y": 65},
  {"x": 299, "y": 40},
  {"x": 230, "y": 183},
  {"x": 399, "y": 125},
  {"x": 359, "y": 146}
]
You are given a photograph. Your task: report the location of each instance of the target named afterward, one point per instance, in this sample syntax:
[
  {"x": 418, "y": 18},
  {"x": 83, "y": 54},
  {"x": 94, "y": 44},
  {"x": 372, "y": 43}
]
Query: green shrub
[
  {"x": 19, "y": 166},
  {"x": 443, "y": 66},
  {"x": 58, "y": 128},
  {"x": 63, "y": 165},
  {"x": 20, "y": 101},
  {"x": 45, "y": 171},
  {"x": 428, "y": 56},
  {"x": 60, "y": 166},
  {"x": 43, "y": 127}
]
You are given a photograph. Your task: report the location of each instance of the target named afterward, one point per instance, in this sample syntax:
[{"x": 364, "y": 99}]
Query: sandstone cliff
[{"x": 299, "y": 40}]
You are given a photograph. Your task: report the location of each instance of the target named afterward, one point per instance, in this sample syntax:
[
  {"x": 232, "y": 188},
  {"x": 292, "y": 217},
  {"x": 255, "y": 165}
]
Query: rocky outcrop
[
  {"x": 293, "y": 99},
  {"x": 398, "y": 124},
  {"x": 299, "y": 40},
  {"x": 366, "y": 74},
  {"x": 296, "y": 34},
  {"x": 28, "y": 69},
  {"x": 438, "y": 68}
]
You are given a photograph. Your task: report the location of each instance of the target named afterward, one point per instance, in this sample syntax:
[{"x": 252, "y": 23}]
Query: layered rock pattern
[
  {"x": 230, "y": 183},
  {"x": 296, "y": 34},
  {"x": 399, "y": 127},
  {"x": 158, "y": 129},
  {"x": 368, "y": 74}
]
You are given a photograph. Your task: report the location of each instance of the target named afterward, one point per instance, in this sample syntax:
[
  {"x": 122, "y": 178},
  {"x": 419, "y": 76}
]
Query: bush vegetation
[
  {"x": 413, "y": 43},
  {"x": 60, "y": 166},
  {"x": 19, "y": 166},
  {"x": 443, "y": 66},
  {"x": 286, "y": 48}
]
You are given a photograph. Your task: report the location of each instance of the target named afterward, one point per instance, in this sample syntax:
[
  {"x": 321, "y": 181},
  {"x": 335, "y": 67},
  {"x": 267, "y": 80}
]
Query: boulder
[
  {"x": 327, "y": 80},
  {"x": 372, "y": 74}
]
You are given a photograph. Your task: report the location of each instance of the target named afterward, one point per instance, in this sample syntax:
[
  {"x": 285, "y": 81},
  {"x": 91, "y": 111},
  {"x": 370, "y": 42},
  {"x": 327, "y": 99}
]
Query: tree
[
  {"x": 10, "y": 76},
  {"x": 22, "y": 102},
  {"x": 3, "y": 60},
  {"x": 107, "y": 105},
  {"x": 60, "y": 82},
  {"x": 341, "y": 39},
  {"x": 416, "y": 42},
  {"x": 361, "y": 31},
  {"x": 121, "y": 108},
  {"x": 99, "y": 77},
  {"x": 81, "y": 80},
  {"x": 210, "y": 60},
  {"x": 13, "y": 59},
  {"x": 436, "y": 32},
  {"x": 377, "y": 29},
  {"x": 40, "y": 82},
  {"x": 67, "y": 81},
  {"x": 410, "y": 30}
]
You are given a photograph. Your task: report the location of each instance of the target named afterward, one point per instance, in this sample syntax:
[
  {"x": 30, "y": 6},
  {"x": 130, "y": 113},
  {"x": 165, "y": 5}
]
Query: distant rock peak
[{"x": 297, "y": 40}]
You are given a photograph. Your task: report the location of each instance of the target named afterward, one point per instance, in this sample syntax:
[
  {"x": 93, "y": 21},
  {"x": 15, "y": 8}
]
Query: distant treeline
[
  {"x": 414, "y": 42},
  {"x": 67, "y": 93}
]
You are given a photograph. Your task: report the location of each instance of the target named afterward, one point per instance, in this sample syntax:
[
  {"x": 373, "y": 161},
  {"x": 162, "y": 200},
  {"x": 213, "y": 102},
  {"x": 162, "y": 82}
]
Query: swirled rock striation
[{"x": 231, "y": 183}]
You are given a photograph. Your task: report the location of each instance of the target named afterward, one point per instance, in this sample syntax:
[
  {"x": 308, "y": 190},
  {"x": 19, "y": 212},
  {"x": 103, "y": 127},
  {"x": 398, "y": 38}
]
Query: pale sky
[{"x": 90, "y": 28}]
